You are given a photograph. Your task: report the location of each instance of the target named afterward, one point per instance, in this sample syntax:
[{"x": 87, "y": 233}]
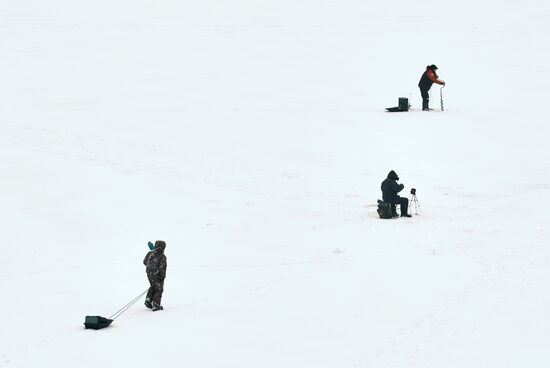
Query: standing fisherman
[
  {"x": 155, "y": 262},
  {"x": 428, "y": 78}
]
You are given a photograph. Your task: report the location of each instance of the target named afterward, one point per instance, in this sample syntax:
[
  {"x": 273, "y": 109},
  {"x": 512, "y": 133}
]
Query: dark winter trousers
[
  {"x": 155, "y": 290},
  {"x": 425, "y": 98},
  {"x": 403, "y": 203}
]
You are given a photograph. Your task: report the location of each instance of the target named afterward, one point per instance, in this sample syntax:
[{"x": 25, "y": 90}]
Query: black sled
[
  {"x": 97, "y": 322},
  {"x": 403, "y": 105}
]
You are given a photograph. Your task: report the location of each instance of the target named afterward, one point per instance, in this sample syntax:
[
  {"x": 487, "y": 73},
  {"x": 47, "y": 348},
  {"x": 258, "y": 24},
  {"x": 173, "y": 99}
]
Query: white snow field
[{"x": 251, "y": 136}]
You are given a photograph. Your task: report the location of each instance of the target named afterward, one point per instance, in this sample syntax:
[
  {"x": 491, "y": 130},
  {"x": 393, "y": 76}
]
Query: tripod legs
[{"x": 414, "y": 201}]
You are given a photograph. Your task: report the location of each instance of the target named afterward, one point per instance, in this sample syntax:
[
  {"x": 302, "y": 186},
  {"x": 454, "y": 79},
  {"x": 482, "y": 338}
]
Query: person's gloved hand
[
  {"x": 151, "y": 245},
  {"x": 443, "y": 82}
]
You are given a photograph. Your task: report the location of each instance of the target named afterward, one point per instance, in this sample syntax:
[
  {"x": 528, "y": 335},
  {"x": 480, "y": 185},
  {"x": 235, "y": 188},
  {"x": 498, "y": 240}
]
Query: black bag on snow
[{"x": 384, "y": 210}]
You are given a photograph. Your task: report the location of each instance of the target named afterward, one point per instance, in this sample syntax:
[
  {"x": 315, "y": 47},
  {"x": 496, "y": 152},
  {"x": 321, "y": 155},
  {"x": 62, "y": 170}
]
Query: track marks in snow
[
  {"x": 275, "y": 275},
  {"x": 22, "y": 353},
  {"x": 432, "y": 337}
]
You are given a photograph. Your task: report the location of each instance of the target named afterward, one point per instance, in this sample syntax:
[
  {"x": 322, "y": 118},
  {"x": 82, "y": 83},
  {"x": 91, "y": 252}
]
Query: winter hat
[
  {"x": 393, "y": 175},
  {"x": 160, "y": 244},
  {"x": 432, "y": 67}
]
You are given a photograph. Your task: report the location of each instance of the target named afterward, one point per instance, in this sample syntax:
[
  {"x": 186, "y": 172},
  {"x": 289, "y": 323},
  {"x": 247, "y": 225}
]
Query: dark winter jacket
[
  {"x": 155, "y": 263},
  {"x": 428, "y": 79},
  {"x": 390, "y": 188}
]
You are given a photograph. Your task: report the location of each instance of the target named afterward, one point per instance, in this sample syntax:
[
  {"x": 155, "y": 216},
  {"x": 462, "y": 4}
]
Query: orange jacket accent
[{"x": 434, "y": 77}]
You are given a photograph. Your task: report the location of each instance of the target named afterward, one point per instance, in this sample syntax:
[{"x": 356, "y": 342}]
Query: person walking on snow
[
  {"x": 390, "y": 188},
  {"x": 155, "y": 267},
  {"x": 428, "y": 78}
]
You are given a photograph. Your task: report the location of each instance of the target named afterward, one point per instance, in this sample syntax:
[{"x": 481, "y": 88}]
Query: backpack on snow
[{"x": 384, "y": 210}]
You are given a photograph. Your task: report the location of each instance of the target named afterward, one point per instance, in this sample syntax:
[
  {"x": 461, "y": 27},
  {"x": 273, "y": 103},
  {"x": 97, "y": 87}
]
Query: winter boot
[
  {"x": 425, "y": 104},
  {"x": 405, "y": 210},
  {"x": 148, "y": 304},
  {"x": 156, "y": 307}
]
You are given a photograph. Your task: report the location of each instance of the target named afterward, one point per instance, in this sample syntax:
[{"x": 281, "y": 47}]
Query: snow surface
[{"x": 251, "y": 136}]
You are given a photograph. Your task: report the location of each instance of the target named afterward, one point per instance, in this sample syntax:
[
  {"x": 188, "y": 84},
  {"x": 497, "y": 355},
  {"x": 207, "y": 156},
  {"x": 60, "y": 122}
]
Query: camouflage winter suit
[{"x": 155, "y": 263}]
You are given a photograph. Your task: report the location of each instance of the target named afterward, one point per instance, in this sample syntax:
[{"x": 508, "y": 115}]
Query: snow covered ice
[{"x": 251, "y": 136}]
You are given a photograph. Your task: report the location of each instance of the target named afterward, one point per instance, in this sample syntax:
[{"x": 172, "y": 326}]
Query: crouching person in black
[
  {"x": 390, "y": 188},
  {"x": 155, "y": 262}
]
